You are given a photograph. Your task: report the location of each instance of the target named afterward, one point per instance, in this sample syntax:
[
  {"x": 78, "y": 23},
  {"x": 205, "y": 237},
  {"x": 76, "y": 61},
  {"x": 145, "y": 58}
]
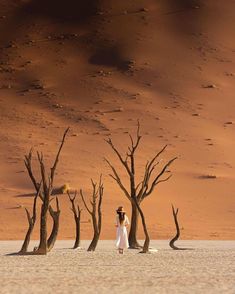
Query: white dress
[{"x": 122, "y": 237}]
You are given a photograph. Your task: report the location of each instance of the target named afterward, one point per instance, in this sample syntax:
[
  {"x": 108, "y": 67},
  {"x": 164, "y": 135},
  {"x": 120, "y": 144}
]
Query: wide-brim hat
[{"x": 120, "y": 209}]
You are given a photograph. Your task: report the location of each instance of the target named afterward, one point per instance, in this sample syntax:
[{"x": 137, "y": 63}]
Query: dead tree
[
  {"x": 175, "y": 215},
  {"x": 95, "y": 211},
  {"x": 77, "y": 217},
  {"x": 55, "y": 229},
  {"x": 45, "y": 195},
  {"x": 138, "y": 191},
  {"x": 31, "y": 221}
]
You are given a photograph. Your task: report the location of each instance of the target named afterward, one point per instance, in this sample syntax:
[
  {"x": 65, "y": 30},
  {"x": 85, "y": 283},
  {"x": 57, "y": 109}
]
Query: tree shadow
[
  {"x": 183, "y": 248},
  {"x": 30, "y": 253},
  {"x": 25, "y": 195},
  {"x": 185, "y": 3}
]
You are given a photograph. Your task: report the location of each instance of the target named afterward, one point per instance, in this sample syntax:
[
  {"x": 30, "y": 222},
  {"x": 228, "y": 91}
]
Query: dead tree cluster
[
  {"x": 95, "y": 210},
  {"x": 45, "y": 191},
  {"x": 141, "y": 185},
  {"x": 43, "y": 188}
]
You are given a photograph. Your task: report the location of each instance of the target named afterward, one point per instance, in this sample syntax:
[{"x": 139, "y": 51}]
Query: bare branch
[
  {"x": 164, "y": 180},
  {"x": 43, "y": 173},
  {"x": 57, "y": 156},
  {"x": 28, "y": 165},
  {"x": 149, "y": 168},
  {"x": 28, "y": 215},
  {"x": 101, "y": 192},
  {"x": 156, "y": 156},
  {"x": 57, "y": 204},
  {"x": 84, "y": 202},
  {"x": 118, "y": 179},
  {"x": 143, "y": 183},
  {"x": 138, "y": 185},
  {"x": 70, "y": 197},
  {"x": 72, "y": 200},
  {"x": 79, "y": 210},
  {"x": 138, "y": 138},
  {"x": 156, "y": 180},
  {"x": 35, "y": 202},
  {"x": 132, "y": 142},
  {"x": 124, "y": 162}
]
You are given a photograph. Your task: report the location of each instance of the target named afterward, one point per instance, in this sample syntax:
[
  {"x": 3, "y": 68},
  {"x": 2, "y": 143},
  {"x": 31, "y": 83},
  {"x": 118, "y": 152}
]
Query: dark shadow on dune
[
  {"x": 109, "y": 56},
  {"x": 64, "y": 10},
  {"x": 25, "y": 195},
  {"x": 184, "y": 4},
  {"x": 55, "y": 191},
  {"x": 13, "y": 208},
  {"x": 186, "y": 15}
]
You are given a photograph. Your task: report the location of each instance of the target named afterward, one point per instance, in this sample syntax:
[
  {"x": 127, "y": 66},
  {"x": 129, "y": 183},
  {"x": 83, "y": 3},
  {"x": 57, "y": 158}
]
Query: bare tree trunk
[
  {"x": 25, "y": 245},
  {"x": 77, "y": 217},
  {"x": 47, "y": 188},
  {"x": 175, "y": 214},
  {"x": 147, "y": 239},
  {"x": 133, "y": 243},
  {"x": 31, "y": 221},
  {"x": 42, "y": 248},
  {"x": 96, "y": 235},
  {"x": 78, "y": 232},
  {"x": 94, "y": 242},
  {"x": 56, "y": 222}
]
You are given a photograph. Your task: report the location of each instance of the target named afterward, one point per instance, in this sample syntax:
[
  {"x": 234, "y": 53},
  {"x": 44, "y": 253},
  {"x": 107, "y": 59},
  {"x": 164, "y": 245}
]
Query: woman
[{"x": 122, "y": 223}]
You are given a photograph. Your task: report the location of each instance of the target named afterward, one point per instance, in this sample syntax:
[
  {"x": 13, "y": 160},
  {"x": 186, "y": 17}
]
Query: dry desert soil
[{"x": 207, "y": 268}]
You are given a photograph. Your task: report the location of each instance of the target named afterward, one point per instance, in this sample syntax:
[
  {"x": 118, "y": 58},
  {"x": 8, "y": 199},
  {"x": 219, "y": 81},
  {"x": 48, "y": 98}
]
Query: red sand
[{"x": 168, "y": 64}]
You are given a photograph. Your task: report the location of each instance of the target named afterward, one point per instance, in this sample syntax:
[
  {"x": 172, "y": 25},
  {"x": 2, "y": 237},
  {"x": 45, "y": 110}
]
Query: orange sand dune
[{"x": 100, "y": 66}]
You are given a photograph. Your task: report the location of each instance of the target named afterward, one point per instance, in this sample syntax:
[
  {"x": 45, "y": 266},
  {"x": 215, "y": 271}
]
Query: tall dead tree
[
  {"x": 45, "y": 195},
  {"x": 141, "y": 190},
  {"x": 31, "y": 221},
  {"x": 95, "y": 211},
  {"x": 77, "y": 217}
]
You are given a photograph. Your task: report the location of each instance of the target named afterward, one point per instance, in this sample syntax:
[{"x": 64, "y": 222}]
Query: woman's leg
[{"x": 120, "y": 250}]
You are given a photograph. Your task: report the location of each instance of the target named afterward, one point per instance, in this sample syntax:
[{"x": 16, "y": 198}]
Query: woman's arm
[
  {"x": 116, "y": 223},
  {"x": 126, "y": 221}
]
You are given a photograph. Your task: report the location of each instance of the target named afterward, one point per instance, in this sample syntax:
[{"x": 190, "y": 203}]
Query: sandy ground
[{"x": 208, "y": 268}]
